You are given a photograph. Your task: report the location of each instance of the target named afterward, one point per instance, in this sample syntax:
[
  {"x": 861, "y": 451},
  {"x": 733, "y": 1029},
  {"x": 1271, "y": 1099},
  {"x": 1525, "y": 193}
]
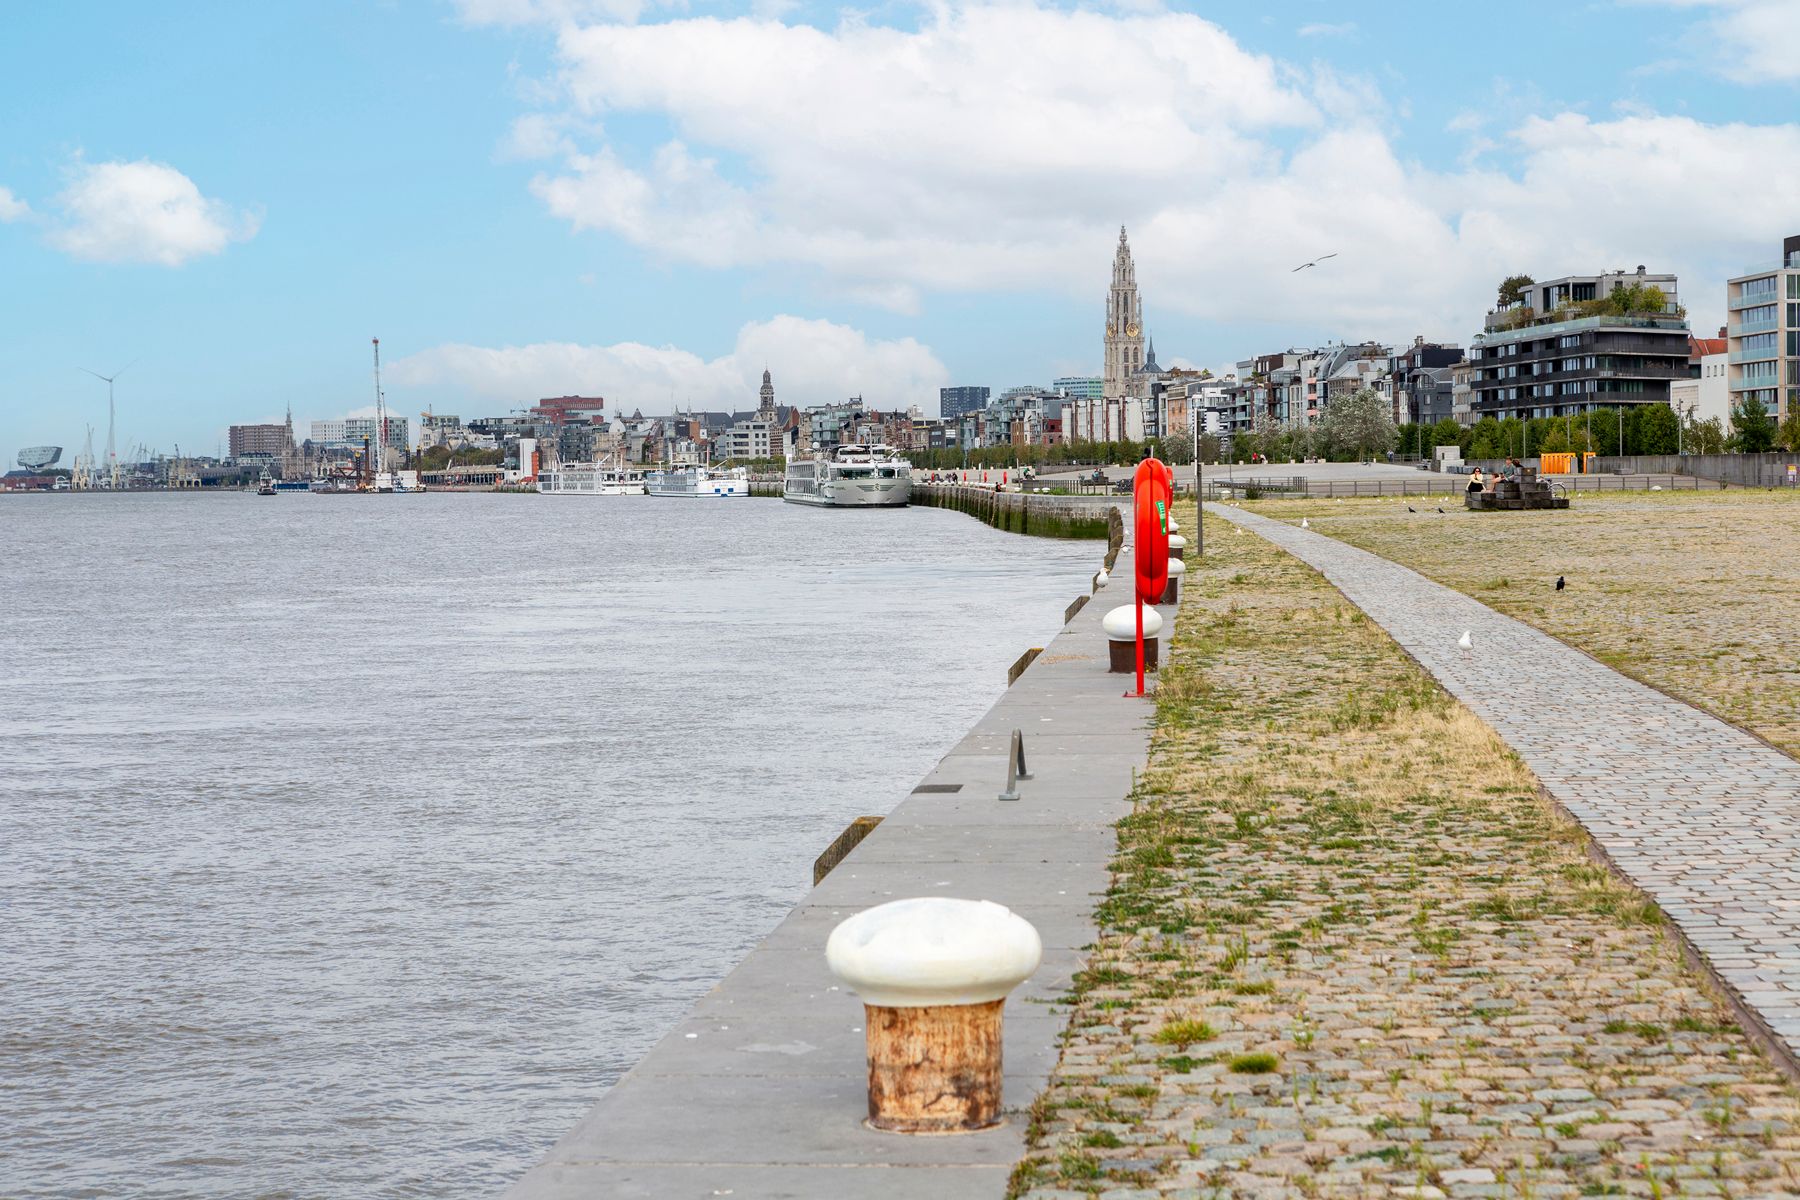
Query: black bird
[
  {"x": 1559, "y": 583},
  {"x": 1441, "y": 508},
  {"x": 1411, "y": 509}
]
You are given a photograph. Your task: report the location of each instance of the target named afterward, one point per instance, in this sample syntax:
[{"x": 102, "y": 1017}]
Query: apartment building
[{"x": 1763, "y": 338}]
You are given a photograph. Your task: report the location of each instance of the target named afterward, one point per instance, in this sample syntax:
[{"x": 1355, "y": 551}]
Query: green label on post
[{"x": 1162, "y": 514}]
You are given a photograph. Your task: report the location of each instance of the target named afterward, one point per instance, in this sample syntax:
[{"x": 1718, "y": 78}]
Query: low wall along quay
[
  {"x": 1023, "y": 512},
  {"x": 763, "y": 1089}
]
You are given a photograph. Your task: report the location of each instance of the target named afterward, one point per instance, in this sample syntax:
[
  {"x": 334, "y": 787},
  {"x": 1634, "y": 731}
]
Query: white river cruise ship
[
  {"x": 694, "y": 480},
  {"x": 850, "y": 477},
  {"x": 590, "y": 479}
]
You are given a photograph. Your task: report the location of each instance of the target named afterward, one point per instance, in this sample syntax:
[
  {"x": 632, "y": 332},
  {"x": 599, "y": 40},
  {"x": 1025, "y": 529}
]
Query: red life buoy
[{"x": 1151, "y": 496}]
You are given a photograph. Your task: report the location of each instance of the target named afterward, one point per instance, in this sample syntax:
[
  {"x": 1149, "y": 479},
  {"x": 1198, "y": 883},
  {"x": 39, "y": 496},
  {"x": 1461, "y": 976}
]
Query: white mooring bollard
[
  {"x": 1172, "y": 589},
  {"x": 933, "y": 974},
  {"x": 1177, "y": 546},
  {"x": 1120, "y": 626}
]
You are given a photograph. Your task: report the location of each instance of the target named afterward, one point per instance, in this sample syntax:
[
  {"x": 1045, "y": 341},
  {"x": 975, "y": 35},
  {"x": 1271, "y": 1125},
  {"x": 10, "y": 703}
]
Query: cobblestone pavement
[
  {"x": 1700, "y": 815},
  {"x": 1350, "y": 951}
]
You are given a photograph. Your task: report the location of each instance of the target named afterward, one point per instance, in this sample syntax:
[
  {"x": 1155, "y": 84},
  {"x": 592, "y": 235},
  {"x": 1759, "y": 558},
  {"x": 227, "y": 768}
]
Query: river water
[{"x": 351, "y": 846}]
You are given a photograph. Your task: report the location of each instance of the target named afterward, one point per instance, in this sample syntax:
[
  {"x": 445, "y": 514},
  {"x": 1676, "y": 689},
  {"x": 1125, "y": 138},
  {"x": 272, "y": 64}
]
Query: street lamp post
[{"x": 1199, "y": 516}]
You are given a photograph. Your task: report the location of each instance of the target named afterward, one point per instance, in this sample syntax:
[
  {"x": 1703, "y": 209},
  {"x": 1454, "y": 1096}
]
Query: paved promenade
[
  {"x": 1700, "y": 815},
  {"x": 761, "y": 1091}
]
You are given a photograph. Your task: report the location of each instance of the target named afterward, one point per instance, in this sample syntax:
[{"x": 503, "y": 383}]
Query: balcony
[
  {"x": 1764, "y": 355},
  {"x": 1761, "y": 325},
  {"x": 1760, "y": 298}
]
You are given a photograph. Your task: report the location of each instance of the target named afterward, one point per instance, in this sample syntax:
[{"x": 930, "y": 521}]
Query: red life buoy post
[{"x": 1151, "y": 495}]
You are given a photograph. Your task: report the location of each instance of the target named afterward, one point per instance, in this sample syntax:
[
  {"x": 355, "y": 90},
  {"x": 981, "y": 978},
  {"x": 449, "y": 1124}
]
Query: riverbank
[
  {"x": 1025, "y": 512},
  {"x": 761, "y": 1090},
  {"x": 1349, "y": 947}
]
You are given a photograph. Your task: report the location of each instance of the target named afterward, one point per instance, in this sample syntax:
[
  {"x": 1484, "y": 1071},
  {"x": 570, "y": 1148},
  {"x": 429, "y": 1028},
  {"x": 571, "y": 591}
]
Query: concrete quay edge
[{"x": 759, "y": 1091}]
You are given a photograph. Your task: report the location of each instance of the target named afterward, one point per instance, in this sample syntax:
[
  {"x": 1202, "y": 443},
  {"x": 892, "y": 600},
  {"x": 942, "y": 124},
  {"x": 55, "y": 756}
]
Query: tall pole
[
  {"x": 380, "y": 415},
  {"x": 112, "y": 457},
  {"x": 1199, "y": 522}
]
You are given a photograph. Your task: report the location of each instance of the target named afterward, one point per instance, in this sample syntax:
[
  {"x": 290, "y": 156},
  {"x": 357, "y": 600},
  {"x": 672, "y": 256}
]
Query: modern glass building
[
  {"x": 1763, "y": 338},
  {"x": 1550, "y": 354},
  {"x": 955, "y": 401},
  {"x": 1078, "y": 387}
]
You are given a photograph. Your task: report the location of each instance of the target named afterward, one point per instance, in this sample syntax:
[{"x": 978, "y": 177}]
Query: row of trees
[
  {"x": 1634, "y": 429},
  {"x": 437, "y": 458},
  {"x": 1359, "y": 427}
]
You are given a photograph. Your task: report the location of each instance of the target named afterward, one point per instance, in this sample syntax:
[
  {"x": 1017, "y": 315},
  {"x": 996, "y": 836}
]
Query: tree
[
  {"x": 1512, "y": 289},
  {"x": 1306, "y": 440},
  {"x": 1703, "y": 437},
  {"x": 1788, "y": 438},
  {"x": 1488, "y": 440},
  {"x": 1359, "y": 425},
  {"x": 1654, "y": 431},
  {"x": 1446, "y": 433},
  {"x": 1176, "y": 449},
  {"x": 1752, "y": 429}
]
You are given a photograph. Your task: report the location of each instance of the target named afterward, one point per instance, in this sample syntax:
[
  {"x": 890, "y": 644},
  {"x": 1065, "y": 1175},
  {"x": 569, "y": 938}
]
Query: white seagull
[
  {"x": 1303, "y": 523},
  {"x": 1315, "y": 262},
  {"x": 1465, "y": 641}
]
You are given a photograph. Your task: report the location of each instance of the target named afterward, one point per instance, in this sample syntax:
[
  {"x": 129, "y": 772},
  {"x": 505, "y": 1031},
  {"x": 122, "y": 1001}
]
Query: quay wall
[
  {"x": 1023, "y": 512},
  {"x": 761, "y": 1091}
]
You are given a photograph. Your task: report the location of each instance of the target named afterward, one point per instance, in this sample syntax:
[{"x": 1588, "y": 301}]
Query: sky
[{"x": 654, "y": 200}]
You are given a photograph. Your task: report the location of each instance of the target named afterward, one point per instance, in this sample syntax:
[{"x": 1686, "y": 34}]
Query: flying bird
[
  {"x": 1559, "y": 583},
  {"x": 1315, "y": 262},
  {"x": 1466, "y": 641}
]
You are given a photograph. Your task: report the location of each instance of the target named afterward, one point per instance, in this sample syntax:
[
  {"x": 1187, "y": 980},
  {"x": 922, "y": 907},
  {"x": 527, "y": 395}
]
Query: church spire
[{"x": 1124, "y": 324}]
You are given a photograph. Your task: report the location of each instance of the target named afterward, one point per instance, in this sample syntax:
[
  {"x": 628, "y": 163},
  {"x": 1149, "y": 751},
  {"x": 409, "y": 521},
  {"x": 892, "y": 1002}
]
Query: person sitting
[{"x": 1475, "y": 482}]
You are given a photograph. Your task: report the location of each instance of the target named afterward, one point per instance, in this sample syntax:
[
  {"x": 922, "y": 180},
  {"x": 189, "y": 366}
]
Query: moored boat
[
  {"x": 696, "y": 480},
  {"x": 854, "y": 476},
  {"x": 590, "y": 479}
]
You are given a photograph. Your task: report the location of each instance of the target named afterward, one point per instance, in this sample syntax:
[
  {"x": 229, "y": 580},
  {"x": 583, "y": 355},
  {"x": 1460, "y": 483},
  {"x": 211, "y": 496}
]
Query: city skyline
[{"x": 531, "y": 199}]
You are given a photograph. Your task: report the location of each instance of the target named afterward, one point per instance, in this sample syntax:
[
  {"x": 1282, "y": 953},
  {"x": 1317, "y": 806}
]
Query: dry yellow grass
[
  {"x": 1349, "y": 951},
  {"x": 1696, "y": 593}
]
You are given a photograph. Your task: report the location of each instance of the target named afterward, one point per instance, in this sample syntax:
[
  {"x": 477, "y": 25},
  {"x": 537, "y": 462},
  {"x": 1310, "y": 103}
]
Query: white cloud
[
  {"x": 144, "y": 212},
  {"x": 813, "y": 362},
  {"x": 535, "y": 136},
  {"x": 878, "y": 154},
  {"x": 1344, "y": 29},
  {"x": 11, "y": 207},
  {"x": 545, "y": 12},
  {"x": 1749, "y": 41},
  {"x": 982, "y": 151}
]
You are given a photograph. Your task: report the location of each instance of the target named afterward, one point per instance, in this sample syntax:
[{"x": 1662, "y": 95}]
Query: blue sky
[{"x": 652, "y": 202}]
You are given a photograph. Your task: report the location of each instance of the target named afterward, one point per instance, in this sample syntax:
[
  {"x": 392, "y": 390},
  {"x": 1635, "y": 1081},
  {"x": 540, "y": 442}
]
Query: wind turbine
[{"x": 112, "y": 458}]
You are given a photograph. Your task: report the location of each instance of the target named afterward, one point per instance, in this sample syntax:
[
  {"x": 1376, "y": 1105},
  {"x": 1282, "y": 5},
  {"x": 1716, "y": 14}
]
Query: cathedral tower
[
  {"x": 766, "y": 409},
  {"x": 1124, "y": 324}
]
